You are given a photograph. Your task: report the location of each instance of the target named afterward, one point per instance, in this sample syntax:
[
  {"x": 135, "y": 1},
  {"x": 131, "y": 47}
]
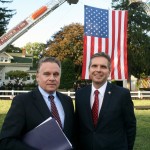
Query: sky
[{"x": 60, "y": 17}]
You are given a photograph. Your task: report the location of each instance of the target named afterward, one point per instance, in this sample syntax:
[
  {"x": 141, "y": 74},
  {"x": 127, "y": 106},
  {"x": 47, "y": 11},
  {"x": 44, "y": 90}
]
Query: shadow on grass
[
  {"x": 2, "y": 117},
  {"x": 143, "y": 129}
]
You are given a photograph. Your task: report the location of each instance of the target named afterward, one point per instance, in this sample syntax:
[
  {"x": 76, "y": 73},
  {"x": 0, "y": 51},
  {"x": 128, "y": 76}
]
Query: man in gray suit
[
  {"x": 31, "y": 109},
  {"x": 105, "y": 120}
]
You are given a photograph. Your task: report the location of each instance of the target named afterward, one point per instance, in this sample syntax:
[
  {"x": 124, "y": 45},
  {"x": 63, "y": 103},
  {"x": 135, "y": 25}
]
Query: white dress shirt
[
  {"x": 57, "y": 103},
  {"x": 100, "y": 96}
]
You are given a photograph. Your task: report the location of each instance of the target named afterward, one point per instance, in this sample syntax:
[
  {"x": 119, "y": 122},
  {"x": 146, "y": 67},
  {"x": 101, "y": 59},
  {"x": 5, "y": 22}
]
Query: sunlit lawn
[
  {"x": 141, "y": 102},
  {"x": 4, "y": 106},
  {"x": 143, "y": 122}
]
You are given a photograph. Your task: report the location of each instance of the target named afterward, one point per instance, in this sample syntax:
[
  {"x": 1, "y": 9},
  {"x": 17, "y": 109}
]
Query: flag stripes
[{"x": 112, "y": 42}]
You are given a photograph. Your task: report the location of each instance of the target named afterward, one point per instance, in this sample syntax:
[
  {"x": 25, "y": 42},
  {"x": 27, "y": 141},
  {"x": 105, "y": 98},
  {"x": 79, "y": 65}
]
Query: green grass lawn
[
  {"x": 141, "y": 102},
  {"x": 143, "y": 130},
  {"x": 142, "y": 116},
  {"x": 4, "y": 106}
]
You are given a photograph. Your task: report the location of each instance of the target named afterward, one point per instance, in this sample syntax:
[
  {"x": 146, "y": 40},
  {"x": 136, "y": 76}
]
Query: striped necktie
[
  {"x": 95, "y": 108},
  {"x": 54, "y": 110}
]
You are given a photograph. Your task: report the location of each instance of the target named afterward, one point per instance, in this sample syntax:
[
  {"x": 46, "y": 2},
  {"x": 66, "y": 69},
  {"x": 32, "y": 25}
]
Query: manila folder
[{"x": 47, "y": 136}]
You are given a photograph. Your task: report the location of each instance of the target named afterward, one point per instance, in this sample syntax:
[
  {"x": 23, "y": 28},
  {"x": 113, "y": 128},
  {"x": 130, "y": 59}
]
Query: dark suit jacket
[
  {"x": 116, "y": 128},
  {"x": 28, "y": 111}
]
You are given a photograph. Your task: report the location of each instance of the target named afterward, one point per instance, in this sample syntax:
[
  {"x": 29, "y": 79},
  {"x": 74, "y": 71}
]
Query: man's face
[
  {"x": 99, "y": 71},
  {"x": 48, "y": 77}
]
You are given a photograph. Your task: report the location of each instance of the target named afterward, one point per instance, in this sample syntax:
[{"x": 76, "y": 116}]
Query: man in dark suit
[
  {"x": 29, "y": 110},
  {"x": 105, "y": 120}
]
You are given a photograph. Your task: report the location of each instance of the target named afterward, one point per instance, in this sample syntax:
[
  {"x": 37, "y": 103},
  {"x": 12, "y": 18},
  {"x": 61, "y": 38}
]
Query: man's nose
[
  {"x": 52, "y": 77},
  {"x": 98, "y": 68}
]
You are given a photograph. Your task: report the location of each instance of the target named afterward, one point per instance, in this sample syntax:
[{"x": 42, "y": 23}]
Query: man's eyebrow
[{"x": 56, "y": 72}]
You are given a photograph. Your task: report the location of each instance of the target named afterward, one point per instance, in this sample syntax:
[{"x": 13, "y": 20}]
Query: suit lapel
[
  {"x": 62, "y": 101},
  {"x": 106, "y": 100},
  {"x": 87, "y": 106},
  {"x": 65, "y": 108},
  {"x": 40, "y": 104}
]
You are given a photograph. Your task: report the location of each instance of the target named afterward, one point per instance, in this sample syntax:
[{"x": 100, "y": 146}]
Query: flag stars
[{"x": 96, "y": 22}]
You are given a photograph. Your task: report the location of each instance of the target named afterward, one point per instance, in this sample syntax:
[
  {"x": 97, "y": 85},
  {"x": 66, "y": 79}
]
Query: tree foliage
[
  {"x": 138, "y": 40},
  {"x": 13, "y": 49},
  {"x": 36, "y": 49},
  {"x": 68, "y": 74},
  {"x": 5, "y": 16},
  {"x": 17, "y": 74},
  {"x": 138, "y": 37},
  {"x": 68, "y": 43}
]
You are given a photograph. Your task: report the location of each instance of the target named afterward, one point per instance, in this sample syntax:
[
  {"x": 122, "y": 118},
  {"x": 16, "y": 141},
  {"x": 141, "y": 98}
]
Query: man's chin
[
  {"x": 51, "y": 90},
  {"x": 98, "y": 79}
]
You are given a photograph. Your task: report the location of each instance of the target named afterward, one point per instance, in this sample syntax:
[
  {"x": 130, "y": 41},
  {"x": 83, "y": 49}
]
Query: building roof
[
  {"x": 3, "y": 54},
  {"x": 21, "y": 60},
  {"x": 17, "y": 58}
]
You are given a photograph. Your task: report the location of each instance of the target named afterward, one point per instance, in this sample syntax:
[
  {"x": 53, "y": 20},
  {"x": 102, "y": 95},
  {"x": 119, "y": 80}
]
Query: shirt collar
[
  {"x": 101, "y": 89},
  {"x": 44, "y": 93}
]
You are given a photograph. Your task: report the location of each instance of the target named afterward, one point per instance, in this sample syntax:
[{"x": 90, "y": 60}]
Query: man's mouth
[{"x": 98, "y": 75}]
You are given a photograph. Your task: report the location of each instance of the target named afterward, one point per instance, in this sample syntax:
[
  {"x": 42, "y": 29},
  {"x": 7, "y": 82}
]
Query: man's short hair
[
  {"x": 48, "y": 59},
  {"x": 101, "y": 54}
]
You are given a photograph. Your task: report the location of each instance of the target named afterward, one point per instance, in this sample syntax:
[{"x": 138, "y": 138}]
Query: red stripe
[
  {"x": 118, "y": 45},
  {"x": 84, "y": 57},
  {"x": 99, "y": 44},
  {"x": 92, "y": 45},
  {"x": 125, "y": 46},
  {"x": 92, "y": 48},
  {"x": 106, "y": 48},
  {"x": 113, "y": 42}
]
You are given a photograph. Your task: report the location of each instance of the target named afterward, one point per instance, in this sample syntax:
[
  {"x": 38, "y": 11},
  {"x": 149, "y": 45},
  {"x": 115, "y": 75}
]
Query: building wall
[
  {"x": 11, "y": 68},
  {"x": 6, "y": 65}
]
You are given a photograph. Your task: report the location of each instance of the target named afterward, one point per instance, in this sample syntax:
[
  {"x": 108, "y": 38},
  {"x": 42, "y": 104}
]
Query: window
[
  {"x": 1, "y": 59},
  {"x": 11, "y": 78},
  {"x": 28, "y": 78},
  {"x": 6, "y": 77}
]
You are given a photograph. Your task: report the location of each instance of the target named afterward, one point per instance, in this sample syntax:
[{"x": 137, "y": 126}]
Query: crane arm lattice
[{"x": 13, "y": 34}]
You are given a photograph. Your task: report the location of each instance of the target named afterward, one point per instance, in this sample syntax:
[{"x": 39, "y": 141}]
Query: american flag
[{"x": 106, "y": 31}]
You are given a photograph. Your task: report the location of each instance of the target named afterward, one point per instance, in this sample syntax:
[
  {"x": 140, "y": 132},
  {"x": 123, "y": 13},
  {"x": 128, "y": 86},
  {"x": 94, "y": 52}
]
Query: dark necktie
[
  {"x": 95, "y": 108},
  {"x": 54, "y": 110}
]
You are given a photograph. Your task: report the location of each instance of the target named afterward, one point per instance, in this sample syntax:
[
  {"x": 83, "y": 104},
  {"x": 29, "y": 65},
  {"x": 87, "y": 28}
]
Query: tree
[
  {"x": 68, "y": 43},
  {"x": 13, "y": 49},
  {"x": 138, "y": 37},
  {"x": 36, "y": 49},
  {"x": 17, "y": 75},
  {"x": 139, "y": 45},
  {"x": 68, "y": 74},
  {"x": 5, "y": 16}
]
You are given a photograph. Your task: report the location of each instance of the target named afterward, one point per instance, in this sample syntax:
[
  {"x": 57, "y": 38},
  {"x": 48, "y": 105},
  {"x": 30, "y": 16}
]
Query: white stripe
[
  {"x": 122, "y": 45},
  {"x": 88, "y": 56},
  {"x": 103, "y": 44},
  {"x": 110, "y": 37},
  {"x": 110, "y": 34},
  {"x": 115, "y": 46},
  {"x": 95, "y": 45}
]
